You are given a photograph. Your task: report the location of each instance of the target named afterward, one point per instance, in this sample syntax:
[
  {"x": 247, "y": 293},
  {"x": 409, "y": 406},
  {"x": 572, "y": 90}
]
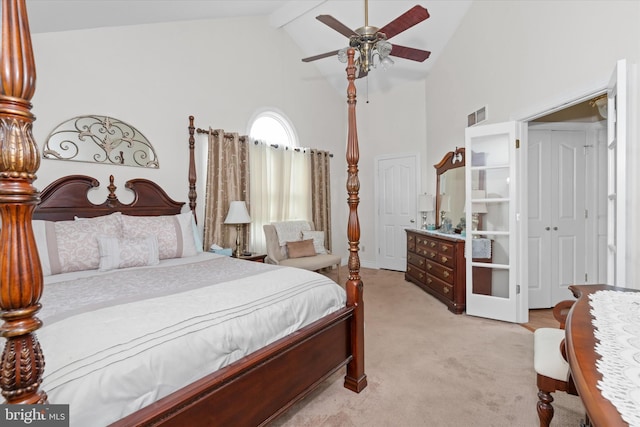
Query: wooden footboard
[{"x": 256, "y": 389}]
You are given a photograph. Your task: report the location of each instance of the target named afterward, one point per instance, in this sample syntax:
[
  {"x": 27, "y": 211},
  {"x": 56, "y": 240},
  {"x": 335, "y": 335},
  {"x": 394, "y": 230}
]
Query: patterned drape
[
  {"x": 321, "y": 193},
  {"x": 227, "y": 180}
]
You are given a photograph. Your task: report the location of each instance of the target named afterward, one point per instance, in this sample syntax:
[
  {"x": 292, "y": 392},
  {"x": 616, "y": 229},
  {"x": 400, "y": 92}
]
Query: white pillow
[
  {"x": 174, "y": 233},
  {"x": 118, "y": 252},
  {"x": 197, "y": 239},
  {"x": 318, "y": 240},
  {"x": 66, "y": 246}
]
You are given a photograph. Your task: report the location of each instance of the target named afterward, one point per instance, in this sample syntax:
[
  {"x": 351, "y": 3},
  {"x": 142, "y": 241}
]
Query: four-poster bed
[{"x": 251, "y": 390}]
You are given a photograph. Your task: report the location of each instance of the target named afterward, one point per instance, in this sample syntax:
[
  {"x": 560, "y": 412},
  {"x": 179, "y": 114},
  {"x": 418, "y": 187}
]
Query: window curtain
[
  {"x": 227, "y": 180},
  {"x": 280, "y": 188},
  {"x": 321, "y": 193}
]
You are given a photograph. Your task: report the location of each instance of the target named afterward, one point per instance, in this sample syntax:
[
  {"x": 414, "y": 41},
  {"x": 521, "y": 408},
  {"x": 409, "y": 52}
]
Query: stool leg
[{"x": 545, "y": 409}]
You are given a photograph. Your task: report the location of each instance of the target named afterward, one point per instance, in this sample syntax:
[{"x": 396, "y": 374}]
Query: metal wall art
[{"x": 100, "y": 139}]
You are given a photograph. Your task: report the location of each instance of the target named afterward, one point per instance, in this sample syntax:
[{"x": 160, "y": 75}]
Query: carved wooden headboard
[{"x": 66, "y": 198}]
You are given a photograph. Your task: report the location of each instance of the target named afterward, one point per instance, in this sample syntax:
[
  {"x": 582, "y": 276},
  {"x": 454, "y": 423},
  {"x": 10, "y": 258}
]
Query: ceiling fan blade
[
  {"x": 322, "y": 55},
  {"x": 413, "y": 16},
  {"x": 409, "y": 53},
  {"x": 336, "y": 25}
]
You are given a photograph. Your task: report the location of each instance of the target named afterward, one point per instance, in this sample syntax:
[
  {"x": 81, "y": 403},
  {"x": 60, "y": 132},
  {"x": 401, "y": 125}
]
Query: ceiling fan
[{"x": 371, "y": 41}]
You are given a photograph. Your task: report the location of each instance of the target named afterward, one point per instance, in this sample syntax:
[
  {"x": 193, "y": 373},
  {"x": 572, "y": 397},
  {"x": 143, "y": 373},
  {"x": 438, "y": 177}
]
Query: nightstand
[{"x": 253, "y": 257}]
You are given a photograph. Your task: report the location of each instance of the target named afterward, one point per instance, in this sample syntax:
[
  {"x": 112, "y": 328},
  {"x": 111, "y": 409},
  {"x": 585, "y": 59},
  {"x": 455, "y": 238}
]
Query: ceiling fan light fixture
[
  {"x": 371, "y": 43},
  {"x": 384, "y": 48},
  {"x": 342, "y": 55},
  {"x": 386, "y": 63}
]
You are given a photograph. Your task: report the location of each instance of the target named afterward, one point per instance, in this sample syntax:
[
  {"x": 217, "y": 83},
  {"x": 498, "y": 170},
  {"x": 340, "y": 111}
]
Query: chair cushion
[
  {"x": 547, "y": 359},
  {"x": 313, "y": 262}
]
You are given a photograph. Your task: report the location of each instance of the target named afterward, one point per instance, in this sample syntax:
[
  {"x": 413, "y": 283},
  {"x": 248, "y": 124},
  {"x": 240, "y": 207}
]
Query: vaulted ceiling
[{"x": 297, "y": 18}]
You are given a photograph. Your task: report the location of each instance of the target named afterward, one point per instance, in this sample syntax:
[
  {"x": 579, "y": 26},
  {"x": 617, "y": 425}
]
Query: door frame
[
  {"x": 591, "y": 203},
  {"x": 376, "y": 201}
]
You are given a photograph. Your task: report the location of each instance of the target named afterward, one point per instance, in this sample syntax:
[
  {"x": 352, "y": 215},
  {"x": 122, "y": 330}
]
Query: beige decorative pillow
[
  {"x": 118, "y": 252},
  {"x": 301, "y": 248},
  {"x": 66, "y": 246},
  {"x": 174, "y": 233},
  {"x": 318, "y": 240}
]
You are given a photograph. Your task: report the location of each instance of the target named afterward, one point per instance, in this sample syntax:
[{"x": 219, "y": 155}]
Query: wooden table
[
  {"x": 580, "y": 344},
  {"x": 252, "y": 257}
]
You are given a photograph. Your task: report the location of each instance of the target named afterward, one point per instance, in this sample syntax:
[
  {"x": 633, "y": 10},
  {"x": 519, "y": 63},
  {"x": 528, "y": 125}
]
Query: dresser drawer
[
  {"x": 443, "y": 288},
  {"x": 411, "y": 242},
  {"x": 416, "y": 273},
  {"x": 429, "y": 243},
  {"x": 416, "y": 260},
  {"x": 439, "y": 271},
  {"x": 446, "y": 249}
]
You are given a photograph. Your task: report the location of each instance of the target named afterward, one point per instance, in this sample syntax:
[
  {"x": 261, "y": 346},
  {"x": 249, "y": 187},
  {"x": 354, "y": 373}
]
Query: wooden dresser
[{"x": 436, "y": 263}]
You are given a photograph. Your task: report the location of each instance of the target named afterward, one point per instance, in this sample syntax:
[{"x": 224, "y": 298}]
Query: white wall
[
  {"x": 517, "y": 56},
  {"x": 155, "y": 76},
  {"x": 391, "y": 123}
]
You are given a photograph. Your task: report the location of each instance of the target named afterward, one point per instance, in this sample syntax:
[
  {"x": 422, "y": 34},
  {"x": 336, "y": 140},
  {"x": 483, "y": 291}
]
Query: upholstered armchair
[{"x": 296, "y": 250}]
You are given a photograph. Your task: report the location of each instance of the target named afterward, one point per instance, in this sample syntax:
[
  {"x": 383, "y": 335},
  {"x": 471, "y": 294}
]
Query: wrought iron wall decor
[{"x": 100, "y": 139}]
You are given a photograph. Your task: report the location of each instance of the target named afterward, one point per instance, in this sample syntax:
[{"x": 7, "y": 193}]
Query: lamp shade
[
  {"x": 238, "y": 213},
  {"x": 445, "y": 203},
  {"x": 425, "y": 203},
  {"x": 478, "y": 207}
]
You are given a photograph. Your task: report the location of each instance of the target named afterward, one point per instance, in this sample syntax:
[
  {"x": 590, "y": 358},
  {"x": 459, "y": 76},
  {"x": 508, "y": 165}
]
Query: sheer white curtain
[{"x": 280, "y": 188}]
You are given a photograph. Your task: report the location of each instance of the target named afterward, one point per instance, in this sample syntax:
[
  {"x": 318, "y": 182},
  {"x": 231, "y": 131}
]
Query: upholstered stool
[{"x": 551, "y": 368}]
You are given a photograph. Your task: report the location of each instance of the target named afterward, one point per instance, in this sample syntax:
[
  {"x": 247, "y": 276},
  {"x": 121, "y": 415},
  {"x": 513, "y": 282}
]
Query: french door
[
  {"x": 492, "y": 187},
  {"x": 617, "y": 112}
]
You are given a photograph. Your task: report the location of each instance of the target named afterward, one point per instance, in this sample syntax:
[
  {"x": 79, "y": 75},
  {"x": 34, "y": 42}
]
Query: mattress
[{"x": 117, "y": 341}]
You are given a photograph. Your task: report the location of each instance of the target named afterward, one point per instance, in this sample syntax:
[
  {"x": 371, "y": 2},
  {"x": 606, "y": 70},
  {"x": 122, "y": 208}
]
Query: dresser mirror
[{"x": 450, "y": 191}]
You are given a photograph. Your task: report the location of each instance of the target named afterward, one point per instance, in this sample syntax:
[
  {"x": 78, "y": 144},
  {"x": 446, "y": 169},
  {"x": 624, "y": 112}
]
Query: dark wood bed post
[
  {"x": 193, "y": 195},
  {"x": 20, "y": 270},
  {"x": 355, "y": 379}
]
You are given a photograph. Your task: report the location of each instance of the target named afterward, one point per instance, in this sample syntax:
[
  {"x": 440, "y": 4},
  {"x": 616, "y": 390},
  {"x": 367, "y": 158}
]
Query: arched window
[
  {"x": 274, "y": 128},
  {"x": 280, "y": 179}
]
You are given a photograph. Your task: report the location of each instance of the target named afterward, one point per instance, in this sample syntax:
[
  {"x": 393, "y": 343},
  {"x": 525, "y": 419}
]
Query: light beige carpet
[{"x": 428, "y": 367}]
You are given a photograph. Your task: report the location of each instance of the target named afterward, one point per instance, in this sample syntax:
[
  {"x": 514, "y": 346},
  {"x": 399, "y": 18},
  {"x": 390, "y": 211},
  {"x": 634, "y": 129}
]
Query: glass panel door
[{"x": 490, "y": 209}]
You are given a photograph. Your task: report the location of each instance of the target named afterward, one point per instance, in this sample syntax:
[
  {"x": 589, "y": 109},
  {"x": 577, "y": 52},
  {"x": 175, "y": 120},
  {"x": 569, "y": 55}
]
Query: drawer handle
[
  {"x": 429, "y": 266},
  {"x": 446, "y": 274},
  {"x": 444, "y": 259},
  {"x": 444, "y": 248},
  {"x": 446, "y": 290},
  {"x": 432, "y": 244},
  {"x": 433, "y": 254},
  {"x": 421, "y": 262},
  {"x": 429, "y": 280}
]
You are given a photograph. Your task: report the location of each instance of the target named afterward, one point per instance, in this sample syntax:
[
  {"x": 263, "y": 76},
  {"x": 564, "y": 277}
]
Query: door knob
[
  {"x": 555, "y": 228},
  {"x": 412, "y": 221},
  {"x": 547, "y": 228}
]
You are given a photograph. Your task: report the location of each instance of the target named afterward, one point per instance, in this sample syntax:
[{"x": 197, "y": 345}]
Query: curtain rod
[{"x": 244, "y": 139}]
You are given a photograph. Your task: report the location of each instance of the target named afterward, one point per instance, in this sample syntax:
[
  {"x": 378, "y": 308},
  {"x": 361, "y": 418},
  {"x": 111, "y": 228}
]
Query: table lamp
[
  {"x": 445, "y": 206},
  {"x": 477, "y": 208},
  {"x": 238, "y": 216},
  {"x": 425, "y": 205}
]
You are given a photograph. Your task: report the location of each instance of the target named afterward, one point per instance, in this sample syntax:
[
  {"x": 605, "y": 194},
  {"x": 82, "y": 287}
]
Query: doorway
[
  {"x": 567, "y": 217},
  {"x": 396, "y": 185}
]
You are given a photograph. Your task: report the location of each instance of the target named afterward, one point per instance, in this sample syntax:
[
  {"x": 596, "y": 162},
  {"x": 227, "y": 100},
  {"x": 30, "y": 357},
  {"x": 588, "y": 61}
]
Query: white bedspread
[{"x": 116, "y": 342}]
